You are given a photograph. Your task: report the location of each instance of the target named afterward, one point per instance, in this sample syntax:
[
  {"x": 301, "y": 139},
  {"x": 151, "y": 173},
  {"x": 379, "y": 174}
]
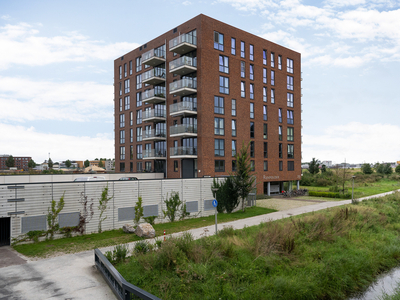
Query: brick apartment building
[
  {"x": 21, "y": 162},
  {"x": 186, "y": 100}
]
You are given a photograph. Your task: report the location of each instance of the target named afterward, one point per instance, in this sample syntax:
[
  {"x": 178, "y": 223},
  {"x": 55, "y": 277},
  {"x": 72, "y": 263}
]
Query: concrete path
[{"x": 74, "y": 276}]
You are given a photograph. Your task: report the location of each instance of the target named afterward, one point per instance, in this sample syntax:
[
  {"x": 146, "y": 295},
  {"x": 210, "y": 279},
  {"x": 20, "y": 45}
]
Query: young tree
[
  {"x": 68, "y": 163},
  {"x": 31, "y": 164},
  {"x": 314, "y": 166},
  {"x": 397, "y": 170},
  {"x": 366, "y": 168},
  {"x": 384, "y": 169},
  {"x": 10, "y": 162},
  {"x": 101, "y": 165},
  {"x": 86, "y": 163},
  {"x": 50, "y": 163},
  {"x": 323, "y": 168}
]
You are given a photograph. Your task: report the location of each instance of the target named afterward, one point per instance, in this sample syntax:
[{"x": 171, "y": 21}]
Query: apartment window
[
  {"x": 131, "y": 135},
  {"x": 139, "y": 116},
  {"x": 251, "y": 91},
  {"x": 223, "y": 85},
  {"x": 289, "y": 99},
  {"x": 280, "y": 150},
  {"x": 139, "y": 167},
  {"x": 218, "y": 41},
  {"x": 272, "y": 96},
  {"x": 139, "y": 134},
  {"x": 265, "y": 150},
  {"x": 233, "y": 46},
  {"x": 265, "y": 57},
  {"x": 242, "y": 54},
  {"x": 233, "y": 107},
  {"x": 252, "y": 149},
  {"x": 138, "y": 99},
  {"x": 219, "y": 166},
  {"x": 233, "y": 148},
  {"x": 127, "y": 86},
  {"x": 138, "y": 64},
  {"x": 234, "y": 166},
  {"x": 139, "y": 81},
  {"x": 218, "y": 105},
  {"x": 130, "y": 68},
  {"x": 272, "y": 59},
  {"x": 233, "y": 127},
  {"x": 290, "y": 117},
  {"x": 252, "y": 165},
  {"x": 242, "y": 69},
  {"x": 251, "y": 72},
  {"x": 131, "y": 155},
  {"x": 139, "y": 151},
  {"x": 218, "y": 126},
  {"x": 251, "y": 52},
  {"x": 219, "y": 149},
  {"x": 290, "y": 151},
  {"x": 265, "y": 165},
  {"x": 127, "y": 102},
  {"x": 290, "y": 134},
  {"x": 272, "y": 77},
  {"x": 265, "y": 131},
  {"x": 280, "y": 62},
  {"x": 148, "y": 166},
  {"x": 280, "y": 133},
  {"x": 121, "y": 120},
  {"x": 120, "y": 104},
  {"x": 290, "y": 83},
  {"x": 265, "y": 113},
  {"x": 280, "y": 115},
  {"x": 289, "y": 65},
  {"x": 131, "y": 118},
  {"x": 147, "y": 131},
  {"x": 122, "y": 136},
  {"x": 120, "y": 88},
  {"x": 175, "y": 166},
  {"x": 125, "y": 70},
  {"x": 251, "y": 110},
  {"x": 242, "y": 90},
  {"x": 122, "y": 152},
  {"x": 280, "y": 165},
  {"x": 223, "y": 64},
  {"x": 264, "y": 94},
  {"x": 251, "y": 130},
  {"x": 120, "y": 72},
  {"x": 290, "y": 165},
  {"x": 264, "y": 75}
]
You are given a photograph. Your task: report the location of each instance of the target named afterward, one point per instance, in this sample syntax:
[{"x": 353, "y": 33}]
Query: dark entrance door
[{"x": 5, "y": 231}]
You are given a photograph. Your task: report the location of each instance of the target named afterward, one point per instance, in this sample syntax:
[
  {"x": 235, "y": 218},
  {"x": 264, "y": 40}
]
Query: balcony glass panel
[
  {"x": 184, "y": 38},
  {"x": 158, "y": 91},
  {"x": 183, "y": 83},
  {"x": 153, "y": 53},
  {"x": 183, "y": 151},
  {"x": 155, "y": 133},
  {"x": 183, "y": 128},
  {"x": 192, "y": 106},
  {"x": 183, "y": 61},
  {"x": 152, "y": 113},
  {"x": 154, "y": 153},
  {"x": 156, "y": 72}
]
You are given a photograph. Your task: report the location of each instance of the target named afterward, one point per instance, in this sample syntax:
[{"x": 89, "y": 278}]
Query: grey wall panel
[
  {"x": 208, "y": 205},
  {"x": 126, "y": 214},
  {"x": 33, "y": 223},
  {"x": 150, "y": 210},
  {"x": 192, "y": 206},
  {"x": 68, "y": 219}
]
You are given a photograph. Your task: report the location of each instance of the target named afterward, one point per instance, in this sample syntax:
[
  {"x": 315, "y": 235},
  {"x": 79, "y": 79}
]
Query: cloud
[
  {"x": 187, "y": 3},
  {"x": 22, "y": 44},
  {"x": 250, "y": 5},
  {"x": 5, "y": 17}
]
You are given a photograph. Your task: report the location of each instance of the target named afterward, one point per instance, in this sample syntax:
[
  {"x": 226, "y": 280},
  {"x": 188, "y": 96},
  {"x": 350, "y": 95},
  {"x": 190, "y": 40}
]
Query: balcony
[
  {"x": 183, "y": 44},
  {"x": 155, "y": 154},
  {"x": 156, "y": 95},
  {"x": 183, "y": 65},
  {"x": 183, "y": 130},
  {"x": 155, "y": 115},
  {"x": 183, "y": 109},
  {"x": 153, "y": 57},
  {"x": 183, "y": 152},
  {"x": 183, "y": 87},
  {"x": 154, "y": 76},
  {"x": 154, "y": 135}
]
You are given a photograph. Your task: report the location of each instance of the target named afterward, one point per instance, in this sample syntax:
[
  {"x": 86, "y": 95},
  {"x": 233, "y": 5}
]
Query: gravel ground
[{"x": 284, "y": 203}]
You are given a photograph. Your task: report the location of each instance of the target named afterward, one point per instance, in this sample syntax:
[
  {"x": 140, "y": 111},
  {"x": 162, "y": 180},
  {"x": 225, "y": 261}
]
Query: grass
[
  {"x": 115, "y": 237},
  {"x": 330, "y": 254}
]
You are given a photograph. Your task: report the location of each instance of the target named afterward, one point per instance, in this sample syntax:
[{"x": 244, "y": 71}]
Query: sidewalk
[{"x": 74, "y": 276}]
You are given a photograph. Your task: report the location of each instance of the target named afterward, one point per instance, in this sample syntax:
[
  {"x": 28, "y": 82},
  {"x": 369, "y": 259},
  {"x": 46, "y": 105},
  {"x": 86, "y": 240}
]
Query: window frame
[
  {"x": 223, "y": 64},
  {"x": 219, "y": 147},
  {"x": 218, "y": 37},
  {"x": 290, "y": 134},
  {"x": 234, "y": 130},
  {"x": 218, "y": 109},
  {"x": 233, "y": 43},
  {"x": 242, "y": 49},
  {"x": 221, "y": 165},
  {"x": 218, "y": 129},
  {"x": 224, "y": 88}
]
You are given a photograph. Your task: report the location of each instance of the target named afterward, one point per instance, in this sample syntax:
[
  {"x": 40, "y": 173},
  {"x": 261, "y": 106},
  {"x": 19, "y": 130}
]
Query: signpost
[{"x": 215, "y": 204}]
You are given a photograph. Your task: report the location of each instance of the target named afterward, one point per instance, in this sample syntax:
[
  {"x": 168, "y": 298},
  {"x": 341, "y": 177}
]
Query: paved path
[{"x": 74, "y": 276}]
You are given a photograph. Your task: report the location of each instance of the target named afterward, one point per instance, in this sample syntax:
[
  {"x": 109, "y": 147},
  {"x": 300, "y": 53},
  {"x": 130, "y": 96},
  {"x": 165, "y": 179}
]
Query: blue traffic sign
[{"x": 215, "y": 203}]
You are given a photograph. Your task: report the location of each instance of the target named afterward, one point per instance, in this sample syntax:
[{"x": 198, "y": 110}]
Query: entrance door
[{"x": 5, "y": 231}]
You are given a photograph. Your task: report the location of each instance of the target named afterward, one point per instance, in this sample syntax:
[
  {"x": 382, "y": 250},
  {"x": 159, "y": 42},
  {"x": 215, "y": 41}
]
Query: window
[
  {"x": 265, "y": 165},
  {"x": 265, "y": 131},
  {"x": 280, "y": 115},
  {"x": 265, "y": 150},
  {"x": 290, "y": 134},
  {"x": 289, "y": 99},
  {"x": 272, "y": 96},
  {"x": 290, "y": 151},
  {"x": 131, "y": 135},
  {"x": 122, "y": 136},
  {"x": 280, "y": 133},
  {"x": 148, "y": 166},
  {"x": 223, "y": 85},
  {"x": 131, "y": 155},
  {"x": 218, "y": 105},
  {"x": 251, "y": 91},
  {"x": 233, "y": 46},
  {"x": 120, "y": 72},
  {"x": 125, "y": 70},
  {"x": 138, "y": 64},
  {"x": 280, "y": 151},
  {"x": 272, "y": 60},
  {"x": 280, "y": 62},
  {"x": 264, "y": 57},
  {"x": 218, "y": 126},
  {"x": 242, "y": 54},
  {"x": 120, "y": 104},
  {"x": 252, "y": 166},
  {"x": 147, "y": 131},
  {"x": 121, "y": 120},
  {"x": 233, "y": 107},
  {"x": 242, "y": 90},
  {"x": 219, "y": 166},
  {"x": 234, "y": 166},
  {"x": 242, "y": 69},
  {"x": 265, "y": 113},
  {"x": 120, "y": 88},
  {"x": 280, "y": 165},
  {"x": 251, "y": 130},
  {"x": 272, "y": 77},
  {"x": 233, "y": 127},
  {"x": 264, "y": 75},
  {"x": 264, "y": 94},
  {"x": 139, "y": 167},
  {"x": 223, "y": 64},
  {"x": 251, "y": 72},
  {"x": 139, "y": 81},
  {"x": 122, "y": 152},
  {"x": 139, "y": 116},
  {"x": 218, "y": 41},
  {"x": 138, "y": 134},
  {"x": 127, "y": 102},
  {"x": 175, "y": 166},
  {"x": 290, "y": 117},
  {"x": 130, "y": 68},
  {"x": 290, "y": 83},
  {"x": 252, "y": 149},
  {"x": 138, "y": 99},
  {"x": 290, "y": 165},
  {"x": 233, "y": 148},
  {"x": 251, "y": 110},
  {"x": 219, "y": 149},
  {"x": 139, "y": 151},
  {"x": 251, "y": 52},
  {"x": 289, "y": 65}
]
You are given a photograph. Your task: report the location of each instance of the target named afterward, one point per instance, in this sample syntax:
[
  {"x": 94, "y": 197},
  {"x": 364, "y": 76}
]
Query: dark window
[
  {"x": 280, "y": 150},
  {"x": 290, "y": 151},
  {"x": 265, "y": 165},
  {"x": 265, "y": 150},
  {"x": 252, "y": 165},
  {"x": 251, "y": 129},
  {"x": 175, "y": 166},
  {"x": 139, "y": 167},
  {"x": 265, "y": 133},
  {"x": 234, "y": 166},
  {"x": 223, "y": 85},
  {"x": 280, "y": 165},
  {"x": 219, "y": 166},
  {"x": 148, "y": 166},
  {"x": 122, "y": 167},
  {"x": 290, "y": 165},
  {"x": 218, "y": 41},
  {"x": 219, "y": 149},
  {"x": 219, "y": 105},
  {"x": 252, "y": 149}
]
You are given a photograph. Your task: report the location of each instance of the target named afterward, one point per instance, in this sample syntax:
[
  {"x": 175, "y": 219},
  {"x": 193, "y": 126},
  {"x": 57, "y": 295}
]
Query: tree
[
  {"x": 10, "y": 162},
  {"x": 68, "y": 163},
  {"x": 101, "y": 165},
  {"x": 314, "y": 166},
  {"x": 103, "y": 201},
  {"x": 366, "y": 169},
  {"x": 323, "y": 168},
  {"x": 243, "y": 180},
  {"x": 31, "y": 164},
  {"x": 227, "y": 195},
  {"x": 384, "y": 169},
  {"x": 87, "y": 163},
  {"x": 50, "y": 163},
  {"x": 397, "y": 170}
]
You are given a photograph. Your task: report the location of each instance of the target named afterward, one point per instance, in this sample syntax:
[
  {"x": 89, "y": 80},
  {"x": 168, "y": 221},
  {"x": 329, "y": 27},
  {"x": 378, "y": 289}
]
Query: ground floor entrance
[
  {"x": 5, "y": 231},
  {"x": 276, "y": 187}
]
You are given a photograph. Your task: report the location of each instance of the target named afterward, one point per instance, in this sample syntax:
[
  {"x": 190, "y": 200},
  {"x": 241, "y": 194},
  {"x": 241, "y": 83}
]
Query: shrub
[
  {"x": 172, "y": 205},
  {"x": 367, "y": 169},
  {"x": 120, "y": 252},
  {"x": 322, "y": 182},
  {"x": 138, "y": 211},
  {"x": 307, "y": 179},
  {"x": 141, "y": 247},
  {"x": 397, "y": 170},
  {"x": 150, "y": 219},
  {"x": 52, "y": 216}
]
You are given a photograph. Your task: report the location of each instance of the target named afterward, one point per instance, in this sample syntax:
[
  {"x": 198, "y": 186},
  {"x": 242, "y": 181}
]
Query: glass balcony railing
[
  {"x": 158, "y": 91},
  {"x": 183, "y": 83},
  {"x": 155, "y": 113},
  {"x": 175, "y": 151},
  {"x": 182, "y": 106},
  {"x": 153, "y": 53},
  {"x": 156, "y": 72},
  {"x": 154, "y": 153},
  {"x": 183, "y": 128},
  {"x": 154, "y": 134},
  {"x": 184, "y": 38},
  {"x": 183, "y": 61}
]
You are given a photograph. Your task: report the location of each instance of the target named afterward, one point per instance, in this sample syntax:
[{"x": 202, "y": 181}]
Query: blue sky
[{"x": 56, "y": 70}]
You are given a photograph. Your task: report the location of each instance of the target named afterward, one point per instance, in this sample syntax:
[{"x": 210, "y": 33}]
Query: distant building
[
  {"x": 109, "y": 164},
  {"x": 327, "y": 163},
  {"x": 21, "y": 162}
]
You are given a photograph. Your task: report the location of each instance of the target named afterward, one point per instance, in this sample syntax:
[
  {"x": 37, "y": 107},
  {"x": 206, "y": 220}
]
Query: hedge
[{"x": 329, "y": 195}]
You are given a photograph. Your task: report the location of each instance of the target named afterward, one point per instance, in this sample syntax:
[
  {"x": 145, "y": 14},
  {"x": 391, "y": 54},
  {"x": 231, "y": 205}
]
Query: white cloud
[
  {"x": 61, "y": 147},
  {"x": 186, "y": 3},
  {"x": 250, "y": 5},
  {"x": 22, "y": 44},
  {"x": 5, "y": 17}
]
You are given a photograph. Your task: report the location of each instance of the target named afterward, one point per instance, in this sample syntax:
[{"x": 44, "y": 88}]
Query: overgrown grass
[
  {"x": 325, "y": 255},
  {"x": 115, "y": 237}
]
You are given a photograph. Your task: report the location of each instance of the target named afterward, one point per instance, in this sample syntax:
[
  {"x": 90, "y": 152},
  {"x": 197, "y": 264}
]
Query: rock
[
  {"x": 128, "y": 228},
  {"x": 145, "y": 230}
]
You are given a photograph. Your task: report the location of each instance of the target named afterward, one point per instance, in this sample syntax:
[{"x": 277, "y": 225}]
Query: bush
[
  {"x": 118, "y": 255},
  {"x": 172, "y": 205},
  {"x": 141, "y": 247},
  {"x": 307, "y": 179},
  {"x": 397, "y": 170},
  {"x": 150, "y": 219}
]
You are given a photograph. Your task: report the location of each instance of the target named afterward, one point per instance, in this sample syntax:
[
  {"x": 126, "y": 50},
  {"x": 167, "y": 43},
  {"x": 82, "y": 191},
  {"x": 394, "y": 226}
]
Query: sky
[{"x": 57, "y": 57}]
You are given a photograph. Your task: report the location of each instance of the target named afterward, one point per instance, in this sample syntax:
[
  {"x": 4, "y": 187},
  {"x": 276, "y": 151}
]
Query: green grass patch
[{"x": 115, "y": 237}]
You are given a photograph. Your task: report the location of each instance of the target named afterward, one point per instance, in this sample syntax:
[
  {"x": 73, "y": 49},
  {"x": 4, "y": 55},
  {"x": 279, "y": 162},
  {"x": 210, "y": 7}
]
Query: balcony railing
[
  {"x": 182, "y": 129},
  {"x": 153, "y": 57},
  {"x": 155, "y": 113},
  {"x": 183, "y": 65},
  {"x": 154, "y": 153},
  {"x": 155, "y": 134},
  {"x": 183, "y": 43},
  {"x": 181, "y": 151},
  {"x": 154, "y": 76},
  {"x": 183, "y": 87},
  {"x": 181, "y": 107},
  {"x": 155, "y": 95}
]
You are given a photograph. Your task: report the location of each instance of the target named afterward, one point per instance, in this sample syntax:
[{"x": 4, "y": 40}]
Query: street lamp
[{"x": 352, "y": 191}]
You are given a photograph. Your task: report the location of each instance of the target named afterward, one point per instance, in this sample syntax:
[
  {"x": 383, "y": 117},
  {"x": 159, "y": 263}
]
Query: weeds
[{"x": 118, "y": 255}]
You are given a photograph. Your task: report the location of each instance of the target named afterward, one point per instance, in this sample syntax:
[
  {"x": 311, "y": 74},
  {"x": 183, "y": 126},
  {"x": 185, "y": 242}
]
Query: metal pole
[
  {"x": 216, "y": 230},
  {"x": 352, "y": 192}
]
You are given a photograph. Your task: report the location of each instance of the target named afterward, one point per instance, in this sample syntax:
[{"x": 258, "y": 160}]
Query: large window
[
  {"x": 251, "y": 52},
  {"x": 218, "y": 126},
  {"x": 234, "y": 166},
  {"x": 265, "y": 57},
  {"x": 139, "y": 81},
  {"x": 233, "y": 107},
  {"x": 280, "y": 115},
  {"x": 290, "y": 117},
  {"x": 219, "y": 166},
  {"x": 148, "y": 166},
  {"x": 265, "y": 131},
  {"x": 138, "y": 99},
  {"x": 139, "y": 116},
  {"x": 138, "y": 134},
  {"x": 280, "y": 150},
  {"x": 138, "y": 64},
  {"x": 251, "y": 130},
  {"x": 264, "y": 75},
  {"x": 139, "y": 167},
  {"x": 233, "y": 148},
  {"x": 251, "y": 91},
  {"x": 251, "y": 72},
  {"x": 122, "y": 136},
  {"x": 290, "y": 134},
  {"x": 272, "y": 59},
  {"x": 251, "y": 110},
  {"x": 290, "y": 165},
  {"x": 289, "y": 65},
  {"x": 265, "y": 117},
  {"x": 218, "y": 105},
  {"x": 233, "y": 46},
  {"x": 290, "y": 83},
  {"x": 265, "y": 150},
  {"x": 121, "y": 120},
  {"x": 233, "y": 127},
  {"x": 289, "y": 99},
  {"x": 127, "y": 102},
  {"x": 280, "y": 133},
  {"x": 242, "y": 69},
  {"x": 122, "y": 152},
  {"x": 272, "y": 77},
  {"x": 218, "y": 41},
  {"x": 252, "y": 149},
  {"x": 223, "y": 85},
  {"x": 139, "y": 151},
  {"x": 272, "y": 96},
  {"x": 280, "y": 62},
  {"x": 223, "y": 64},
  {"x": 219, "y": 147},
  {"x": 242, "y": 54},
  {"x": 242, "y": 89},
  {"x": 290, "y": 151}
]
